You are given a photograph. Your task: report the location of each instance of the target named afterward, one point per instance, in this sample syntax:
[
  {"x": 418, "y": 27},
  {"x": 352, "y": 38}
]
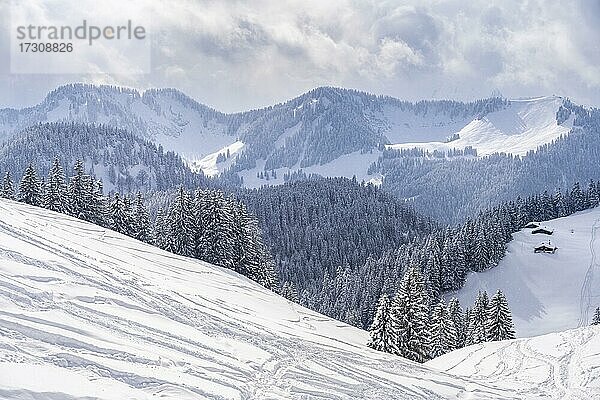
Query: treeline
[
  {"x": 412, "y": 325},
  {"x": 444, "y": 257},
  {"x": 204, "y": 224}
]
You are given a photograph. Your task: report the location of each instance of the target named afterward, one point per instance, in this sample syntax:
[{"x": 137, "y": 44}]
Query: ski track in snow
[
  {"x": 88, "y": 313},
  {"x": 561, "y": 365},
  {"x": 586, "y": 289}
]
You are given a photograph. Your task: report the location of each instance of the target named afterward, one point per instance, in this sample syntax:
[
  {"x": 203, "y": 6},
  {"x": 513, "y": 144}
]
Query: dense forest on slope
[
  {"x": 451, "y": 190},
  {"x": 122, "y": 160},
  {"x": 315, "y": 226},
  {"x": 203, "y": 224}
]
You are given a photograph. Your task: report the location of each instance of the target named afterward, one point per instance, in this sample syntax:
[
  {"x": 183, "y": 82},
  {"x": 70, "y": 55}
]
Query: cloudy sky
[{"x": 237, "y": 55}]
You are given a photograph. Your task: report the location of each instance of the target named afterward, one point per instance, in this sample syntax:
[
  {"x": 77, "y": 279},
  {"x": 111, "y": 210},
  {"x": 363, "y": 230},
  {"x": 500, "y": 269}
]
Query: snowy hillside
[
  {"x": 89, "y": 313},
  {"x": 326, "y": 131},
  {"x": 555, "y": 366},
  {"x": 523, "y": 126},
  {"x": 547, "y": 292}
]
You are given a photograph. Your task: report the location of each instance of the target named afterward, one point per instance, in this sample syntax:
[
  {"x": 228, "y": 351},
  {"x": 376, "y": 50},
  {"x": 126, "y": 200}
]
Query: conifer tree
[
  {"x": 455, "y": 313},
  {"x": 160, "y": 237},
  {"x": 55, "y": 193},
  {"x": 382, "y": 331},
  {"x": 76, "y": 194},
  {"x": 141, "y": 220},
  {"x": 442, "y": 332},
  {"x": 409, "y": 315},
  {"x": 289, "y": 291},
  {"x": 596, "y": 318},
  {"x": 181, "y": 226},
  {"x": 29, "y": 188},
  {"x": 8, "y": 191},
  {"x": 97, "y": 207},
  {"x": 118, "y": 215},
  {"x": 499, "y": 325},
  {"x": 216, "y": 245},
  {"x": 476, "y": 330}
]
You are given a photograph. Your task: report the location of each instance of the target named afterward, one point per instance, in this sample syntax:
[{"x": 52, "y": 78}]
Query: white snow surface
[
  {"x": 562, "y": 365},
  {"x": 523, "y": 126},
  {"x": 87, "y": 313},
  {"x": 547, "y": 292}
]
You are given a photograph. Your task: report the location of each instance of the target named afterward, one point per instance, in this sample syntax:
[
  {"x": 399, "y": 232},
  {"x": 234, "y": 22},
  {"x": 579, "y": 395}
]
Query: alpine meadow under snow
[
  {"x": 91, "y": 313},
  {"x": 548, "y": 292}
]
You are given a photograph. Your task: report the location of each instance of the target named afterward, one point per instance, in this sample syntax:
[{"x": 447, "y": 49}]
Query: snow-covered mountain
[
  {"x": 522, "y": 126},
  {"x": 554, "y": 366},
  {"x": 88, "y": 313},
  {"x": 547, "y": 292},
  {"x": 326, "y": 131}
]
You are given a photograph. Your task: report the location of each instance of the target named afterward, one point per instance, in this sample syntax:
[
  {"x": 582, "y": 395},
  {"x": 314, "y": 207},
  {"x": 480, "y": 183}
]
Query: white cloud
[{"x": 238, "y": 55}]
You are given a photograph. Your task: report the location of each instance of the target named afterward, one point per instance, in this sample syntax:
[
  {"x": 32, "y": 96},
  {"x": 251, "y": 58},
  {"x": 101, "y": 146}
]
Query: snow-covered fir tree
[
  {"x": 442, "y": 331},
  {"x": 383, "y": 333},
  {"x": 456, "y": 315},
  {"x": 143, "y": 229},
  {"x": 55, "y": 195},
  {"x": 216, "y": 244},
  {"x": 29, "y": 188},
  {"x": 499, "y": 325},
  {"x": 77, "y": 195},
  {"x": 8, "y": 191},
  {"x": 160, "y": 230},
  {"x": 409, "y": 315},
  {"x": 596, "y": 317},
  {"x": 119, "y": 218},
  {"x": 180, "y": 222},
  {"x": 476, "y": 329},
  {"x": 289, "y": 291}
]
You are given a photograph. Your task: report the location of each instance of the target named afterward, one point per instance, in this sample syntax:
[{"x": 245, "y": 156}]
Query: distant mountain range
[
  {"x": 326, "y": 131},
  {"x": 451, "y": 159}
]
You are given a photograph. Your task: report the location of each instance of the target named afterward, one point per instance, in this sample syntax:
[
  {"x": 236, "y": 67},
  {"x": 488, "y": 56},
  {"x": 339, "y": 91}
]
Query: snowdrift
[{"x": 88, "y": 313}]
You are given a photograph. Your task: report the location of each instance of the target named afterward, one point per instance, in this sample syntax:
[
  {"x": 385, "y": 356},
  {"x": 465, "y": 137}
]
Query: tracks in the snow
[{"x": 585, "y": 301}]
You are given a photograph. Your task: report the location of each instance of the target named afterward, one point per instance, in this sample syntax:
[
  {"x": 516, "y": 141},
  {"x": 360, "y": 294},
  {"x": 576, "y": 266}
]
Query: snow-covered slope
[
  {"x": 547, "y": 292},
  {"x": 522, "y": 126},
  {"x": 89, "y": 313},
  {"x": 561, "y": 365}
]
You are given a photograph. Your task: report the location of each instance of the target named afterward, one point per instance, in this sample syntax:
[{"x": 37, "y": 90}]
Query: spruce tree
[
  {"x": 181, "y": 226},
  {"x": 76, "y": 193},
  {"x": 160, "y": 237},
  {"x": 97, "y": 207},
  {"x": 409, "y": 315},
  {"x": 596, "y": 318},
  {"x": 455, "y": 313},
  {"x": 141, "y": 220},
  {"x": 476, "y": 329},
  {"x": 382, "y": 331},
  {"x": 55, "y": 193},
  {"x": 442, "y": 332},
  {"x": 118, "y": 215},
  {"x": 216, "y": 245},
  {"x": 499, "y": 325},
  {"x": 8, "y": 191},
  {"x": 29, "y": 188}
]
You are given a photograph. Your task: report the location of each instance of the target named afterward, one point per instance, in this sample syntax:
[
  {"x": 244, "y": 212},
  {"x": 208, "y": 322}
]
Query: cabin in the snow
[
  {"x": 543, "y": 231},
  {"x": 532, "y": 225},
  {"x": 545, "y": 248}
]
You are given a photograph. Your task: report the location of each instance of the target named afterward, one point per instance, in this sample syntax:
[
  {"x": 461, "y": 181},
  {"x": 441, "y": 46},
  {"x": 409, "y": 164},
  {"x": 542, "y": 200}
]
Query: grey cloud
[{"x": 237, "y": 55}]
